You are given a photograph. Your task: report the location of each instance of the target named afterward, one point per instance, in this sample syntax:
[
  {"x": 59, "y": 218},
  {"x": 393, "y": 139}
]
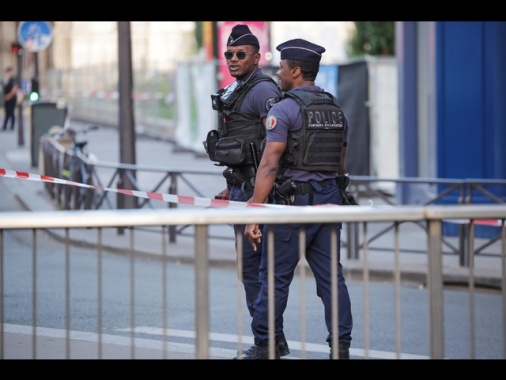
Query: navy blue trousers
[
  {"x": 250, "y": 259},
  {"x": 10, "y": 115},
  {"x": 318, "y": 256}
]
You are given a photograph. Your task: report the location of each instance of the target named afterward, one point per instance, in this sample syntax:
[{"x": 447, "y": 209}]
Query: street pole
[
  {"x": 126, "y": 126},
  {"x": 36, "y": 65},
  {"x": 21, "y": 135}
]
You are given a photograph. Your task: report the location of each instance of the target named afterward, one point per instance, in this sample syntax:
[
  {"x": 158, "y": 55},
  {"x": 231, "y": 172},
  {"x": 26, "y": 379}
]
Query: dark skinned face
[{"x": 240, "y": 68}]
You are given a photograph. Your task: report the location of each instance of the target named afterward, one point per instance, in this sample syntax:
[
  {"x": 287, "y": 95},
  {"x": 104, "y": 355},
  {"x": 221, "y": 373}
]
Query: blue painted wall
[
  {"x": 471, "y": 99},
  {"x": 406, "y": 47},
  {"x": 470, "y": 76}
]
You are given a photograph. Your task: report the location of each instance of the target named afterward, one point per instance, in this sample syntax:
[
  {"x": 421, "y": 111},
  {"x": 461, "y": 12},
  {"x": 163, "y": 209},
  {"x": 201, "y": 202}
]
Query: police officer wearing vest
[
  {"x": 304, "y": 160},
  {"x": 242, "y": 110}
]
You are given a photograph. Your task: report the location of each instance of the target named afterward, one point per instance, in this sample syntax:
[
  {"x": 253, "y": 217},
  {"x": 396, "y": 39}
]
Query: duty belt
[{"x": 306, "y": 187}]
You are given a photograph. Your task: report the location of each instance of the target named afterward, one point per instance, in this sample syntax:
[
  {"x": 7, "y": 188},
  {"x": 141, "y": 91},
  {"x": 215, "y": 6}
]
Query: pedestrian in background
[
  {"x": 305, "y": 153},
  {"x": 10, "y": 90},
  {"x": 242, "y": 110}
]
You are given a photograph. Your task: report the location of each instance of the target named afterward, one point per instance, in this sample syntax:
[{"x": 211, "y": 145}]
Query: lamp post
[{"x": 18, "y": 50}]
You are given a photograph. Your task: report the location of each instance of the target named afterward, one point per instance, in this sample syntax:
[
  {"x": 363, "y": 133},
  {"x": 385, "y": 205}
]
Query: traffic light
[
  {"x": 34, "y": 90},
  {"x": 16, "y": 48}
]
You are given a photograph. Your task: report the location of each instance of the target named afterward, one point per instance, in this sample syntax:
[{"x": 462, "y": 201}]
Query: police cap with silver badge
[
  {"x": 241, "y": 35},
  {"x": 300, "y": 49}
]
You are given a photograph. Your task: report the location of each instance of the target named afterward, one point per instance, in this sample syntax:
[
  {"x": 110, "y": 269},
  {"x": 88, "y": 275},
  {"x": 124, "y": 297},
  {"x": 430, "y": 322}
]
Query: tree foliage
[
  {"x": 373, "y": 38},
  {"x": 199, "y": 35}
]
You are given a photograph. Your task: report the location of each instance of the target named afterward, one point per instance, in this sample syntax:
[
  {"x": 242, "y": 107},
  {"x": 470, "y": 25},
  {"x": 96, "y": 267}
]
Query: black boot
[
  {"x": 282, "y": 345},
  {"x": 258, "y": 353},
  {"x": 344, "y": 351},
  {"x": 280, "y": 342}
]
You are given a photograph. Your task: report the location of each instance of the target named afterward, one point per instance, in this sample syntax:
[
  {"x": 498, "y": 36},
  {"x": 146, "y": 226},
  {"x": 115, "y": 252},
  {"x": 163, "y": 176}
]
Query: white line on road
[
  {"x": 187, "y": 348},
  {"x": 248, "y": 340}
]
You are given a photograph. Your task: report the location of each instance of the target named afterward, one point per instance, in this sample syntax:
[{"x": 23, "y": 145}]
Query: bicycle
[{"x": 77, "y": 167}]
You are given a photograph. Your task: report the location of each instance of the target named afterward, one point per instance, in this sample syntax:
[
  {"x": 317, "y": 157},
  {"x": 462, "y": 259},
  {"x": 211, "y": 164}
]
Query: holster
[
  {"x": 283, "y": 193},
  {"x": 342, "y": 183},
  {"x": 233, "y": 176}
]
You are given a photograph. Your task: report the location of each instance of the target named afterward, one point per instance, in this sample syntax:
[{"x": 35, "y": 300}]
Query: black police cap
[
  {"x": 302, "y": 50},
  {"x": 241, "y": 35}
]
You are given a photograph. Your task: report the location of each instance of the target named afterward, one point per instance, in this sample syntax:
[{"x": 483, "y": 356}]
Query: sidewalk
[{"x": 151, "y": 152}]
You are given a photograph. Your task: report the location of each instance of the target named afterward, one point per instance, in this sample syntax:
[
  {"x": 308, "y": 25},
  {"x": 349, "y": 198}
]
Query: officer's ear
[{"x": 296, "y": 72}]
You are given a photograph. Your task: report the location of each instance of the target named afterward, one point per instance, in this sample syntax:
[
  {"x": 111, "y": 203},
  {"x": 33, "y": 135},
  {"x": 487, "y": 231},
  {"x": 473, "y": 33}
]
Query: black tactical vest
[
  {"x": 317, "y": 145},
  {"x": 237, "y": 142}
]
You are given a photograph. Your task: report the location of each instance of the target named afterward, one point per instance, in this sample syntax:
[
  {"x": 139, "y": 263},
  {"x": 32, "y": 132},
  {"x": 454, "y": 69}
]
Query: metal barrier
[
  {"x": 97, "y": 221},
  {"x": 110, "y": 175}
]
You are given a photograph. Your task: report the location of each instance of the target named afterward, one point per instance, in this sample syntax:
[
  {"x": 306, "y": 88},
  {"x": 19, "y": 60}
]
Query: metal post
[
  {"x": 126, "y": 126},
  {"x": 173, "y": 190},
  {"x": 201, "y": 291},
  {"x": 435, "y": 287},
  {"x": 352, "y": 241},
  {"x": 21, "y": 135}
]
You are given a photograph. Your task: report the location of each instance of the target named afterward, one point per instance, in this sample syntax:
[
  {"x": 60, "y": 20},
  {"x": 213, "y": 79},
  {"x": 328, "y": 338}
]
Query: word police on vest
[{"x": 325, "y": 119}]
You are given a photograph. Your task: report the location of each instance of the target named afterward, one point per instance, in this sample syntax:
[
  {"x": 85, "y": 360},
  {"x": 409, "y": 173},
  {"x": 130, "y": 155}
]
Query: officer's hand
[
  {"x": 254, "y": 235},
  {"x": 223, "y": 195}
]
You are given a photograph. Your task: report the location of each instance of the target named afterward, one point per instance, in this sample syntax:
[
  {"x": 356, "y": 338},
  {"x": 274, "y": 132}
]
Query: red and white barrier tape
[{"x": 171, "y": 198}]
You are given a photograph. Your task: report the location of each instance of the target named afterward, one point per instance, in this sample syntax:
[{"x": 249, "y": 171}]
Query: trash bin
[{"x": 44, "y": 115}]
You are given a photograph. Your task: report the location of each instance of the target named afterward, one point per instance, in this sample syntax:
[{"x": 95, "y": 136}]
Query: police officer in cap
[
  {"x": 242, "y": 110},
  {"x": 306, "y": 144}
]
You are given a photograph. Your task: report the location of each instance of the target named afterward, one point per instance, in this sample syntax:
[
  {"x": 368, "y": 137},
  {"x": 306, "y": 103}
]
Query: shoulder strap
[
  {"x": 237, "y": 96},
  {"x": 306, "y": 98}
]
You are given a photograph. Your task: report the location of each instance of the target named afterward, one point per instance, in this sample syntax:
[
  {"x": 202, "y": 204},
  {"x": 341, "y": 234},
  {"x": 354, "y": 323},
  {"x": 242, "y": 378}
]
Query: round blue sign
[{"x": 35, "y": 35}]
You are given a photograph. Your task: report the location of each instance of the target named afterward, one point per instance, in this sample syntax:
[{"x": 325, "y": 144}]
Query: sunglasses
[{"x": 240, "y": 54}]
